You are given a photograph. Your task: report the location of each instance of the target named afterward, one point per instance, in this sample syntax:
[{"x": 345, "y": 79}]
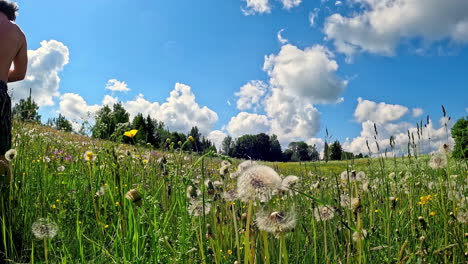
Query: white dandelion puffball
[
  {"x": 258, "y": 181},
  {"x": 11, "y": 154},
  {"x": 43, "y": 229},
  {"x": 276, "y": 222}
]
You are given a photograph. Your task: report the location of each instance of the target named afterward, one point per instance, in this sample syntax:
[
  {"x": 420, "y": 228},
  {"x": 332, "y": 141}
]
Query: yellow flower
[
  {"x": 191, "y": 139},
  {"x": 131, "y": 133},
  {"x": 376, "y": 211},
  {"x": 53, "y": 206},
  {"x": 106, "y": 226},
  {"x": 425, "y": 199},
  {"x": 117, "y": 203},
  {"x": 89, "y": 156},
  {"x": 432, "y": 213},
  {"x": 229, "y": 251}
]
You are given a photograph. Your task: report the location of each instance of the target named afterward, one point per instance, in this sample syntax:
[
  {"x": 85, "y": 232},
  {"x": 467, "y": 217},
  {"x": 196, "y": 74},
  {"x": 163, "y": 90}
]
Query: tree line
[{"x": 111, "y": 123}]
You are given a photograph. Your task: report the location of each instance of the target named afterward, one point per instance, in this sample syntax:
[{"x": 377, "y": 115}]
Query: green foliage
[
  {"x": 27, "y": 110},
  {"x": 460, "y": 135},
  {"x": 336, "y": 151},
  {"x": 60, "y": 123},
  {"x": 108, "y": 121},
  {"x": 256, "y": 147}
]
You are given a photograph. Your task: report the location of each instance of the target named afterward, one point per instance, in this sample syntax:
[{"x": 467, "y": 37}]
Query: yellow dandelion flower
[
  {"x": 131, "y": 133},
  {"x": 376, "y": 211},
  {"x": 425, "y": 199},
  {"x": 117, "y": 203},
  {"x": 432, "y": 213},
  {"x": 229, "y": 252},
  {"x": 106, "y": 226},
  {"x": 53, "y": 206},
  {"x": 191, "y": 139}
]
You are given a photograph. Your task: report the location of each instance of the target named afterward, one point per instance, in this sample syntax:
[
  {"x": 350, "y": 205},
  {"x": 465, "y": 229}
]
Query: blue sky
[{"x": 413, "y": 55}]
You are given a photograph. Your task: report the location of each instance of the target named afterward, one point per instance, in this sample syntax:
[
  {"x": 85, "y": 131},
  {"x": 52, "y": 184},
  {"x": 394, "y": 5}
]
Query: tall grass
[{"x": 403, "y": 211}]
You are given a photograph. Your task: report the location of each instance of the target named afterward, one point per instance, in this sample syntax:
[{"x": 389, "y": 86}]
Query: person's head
[{"x": 9, "y": 8}]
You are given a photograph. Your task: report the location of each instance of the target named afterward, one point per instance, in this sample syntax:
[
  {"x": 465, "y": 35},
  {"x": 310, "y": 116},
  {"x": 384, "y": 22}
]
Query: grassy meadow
[{"x": 78, "y": 200}]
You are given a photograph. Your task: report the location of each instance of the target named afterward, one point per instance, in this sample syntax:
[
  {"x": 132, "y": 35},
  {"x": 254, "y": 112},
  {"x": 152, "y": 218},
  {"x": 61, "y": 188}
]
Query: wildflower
[
  {"x": 345, "y": 201},
  {"x": 131, "y": 133},
  {"x": 11, "y": 154},
  {"x": 46, "y": 159},
  {"x": 438, "y": 161},
  {"x": 89, "y": 156},
  {"x": 192, "y": 192},
  {"x": 191, "y": 139},
  {"x": 359, "y": 235},
  {"x": 61, "y": 168},
  {"x": 44, "y": 229},
  {"x": 196, "y": 208},
  {"x": 323, "y": 213},
  {"x": 276, "y": 222},
  {"x": 425, "y": 199},
  {"x": 106, "y": 226},
  {"x": 229, "y": 252},
  {"x": 134, "y": 196},
  {"x": 432, "y": 213},
  {"x": 258, "y": 181}
]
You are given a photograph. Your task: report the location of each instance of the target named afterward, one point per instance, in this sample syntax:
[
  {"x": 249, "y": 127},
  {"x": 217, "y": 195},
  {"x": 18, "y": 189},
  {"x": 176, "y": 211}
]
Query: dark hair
[{"x": 9, "y": 9}]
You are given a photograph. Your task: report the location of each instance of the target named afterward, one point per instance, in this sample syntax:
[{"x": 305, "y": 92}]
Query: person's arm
[{"x": 20, "y": 63}]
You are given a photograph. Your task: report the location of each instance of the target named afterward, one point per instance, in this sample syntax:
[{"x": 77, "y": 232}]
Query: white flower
[
  {"x": 196, "y": 207},
  {"x": 61, "y": 168}
]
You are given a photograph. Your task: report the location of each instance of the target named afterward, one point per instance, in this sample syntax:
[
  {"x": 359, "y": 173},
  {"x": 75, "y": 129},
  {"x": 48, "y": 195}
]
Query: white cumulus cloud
[
  {"x": 379, "y": 26},
  {"x": 180, "y": 112},
  {"x": 117, "y": 86},
  {"x": 308, "y": 73},
  {"x": 250, "y": 95},
  {"x": 216, "y": 137},
  {"x": 42, "y": 76},
  {"x": 256, "y": 6},
  {"x": 288, "y": 4},
  {"x": 246, "y": 123},
  {"x": 378, "y": 112},
  {"x": 417, "y": 112}
]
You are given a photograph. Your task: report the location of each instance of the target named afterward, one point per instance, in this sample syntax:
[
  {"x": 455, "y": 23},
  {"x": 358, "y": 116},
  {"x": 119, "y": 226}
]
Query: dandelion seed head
[
  {"x": 242, "y": 167},
  {"x": 60, "y": 168},
  {"x": 276, "y": 222},
  {"x": 258, "y": 182},
  {"x": 11, "y": 154},
  {"x": 44, "y": 229},
  {"x": 438, "y": 161},
  {"x": 196, "y": 207},
  {"x": 359, "y": 235},
  {"x": 289, "y": 182},
  {"x": 323, "y": 213}
]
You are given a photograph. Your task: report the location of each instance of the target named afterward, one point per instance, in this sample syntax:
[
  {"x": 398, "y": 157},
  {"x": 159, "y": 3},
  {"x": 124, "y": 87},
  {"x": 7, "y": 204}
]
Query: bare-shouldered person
[{"x": 13, "y": 52}]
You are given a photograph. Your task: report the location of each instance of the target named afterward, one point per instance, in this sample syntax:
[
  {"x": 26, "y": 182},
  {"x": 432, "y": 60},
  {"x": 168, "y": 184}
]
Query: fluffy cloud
[
  {"x": 417, "y": 112},
  {"x": 180, "y": 112},
  {"x": 247, "y": 123},
  {"x": 308, "y": 73},
  {"x": 44, "y": 65},
  {"x": 217, "y": 137},
  {"x": 378, "y": 112},
  {"x": 288, "y": 4},
  {"x": 379, "y": 25},
  {"x": 437, "y": 135},
  {"x": 75, "y": 108},
  {"x": 280, "y": 37},
  {"x": 298, "y": 79},
  {"x": 117, "y": 86},
  {"x": 250, "y": 95},
  {"x": 256, "y": 6}
]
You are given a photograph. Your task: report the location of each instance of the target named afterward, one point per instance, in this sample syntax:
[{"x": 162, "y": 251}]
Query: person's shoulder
[{"x": 19, "y": 31}]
